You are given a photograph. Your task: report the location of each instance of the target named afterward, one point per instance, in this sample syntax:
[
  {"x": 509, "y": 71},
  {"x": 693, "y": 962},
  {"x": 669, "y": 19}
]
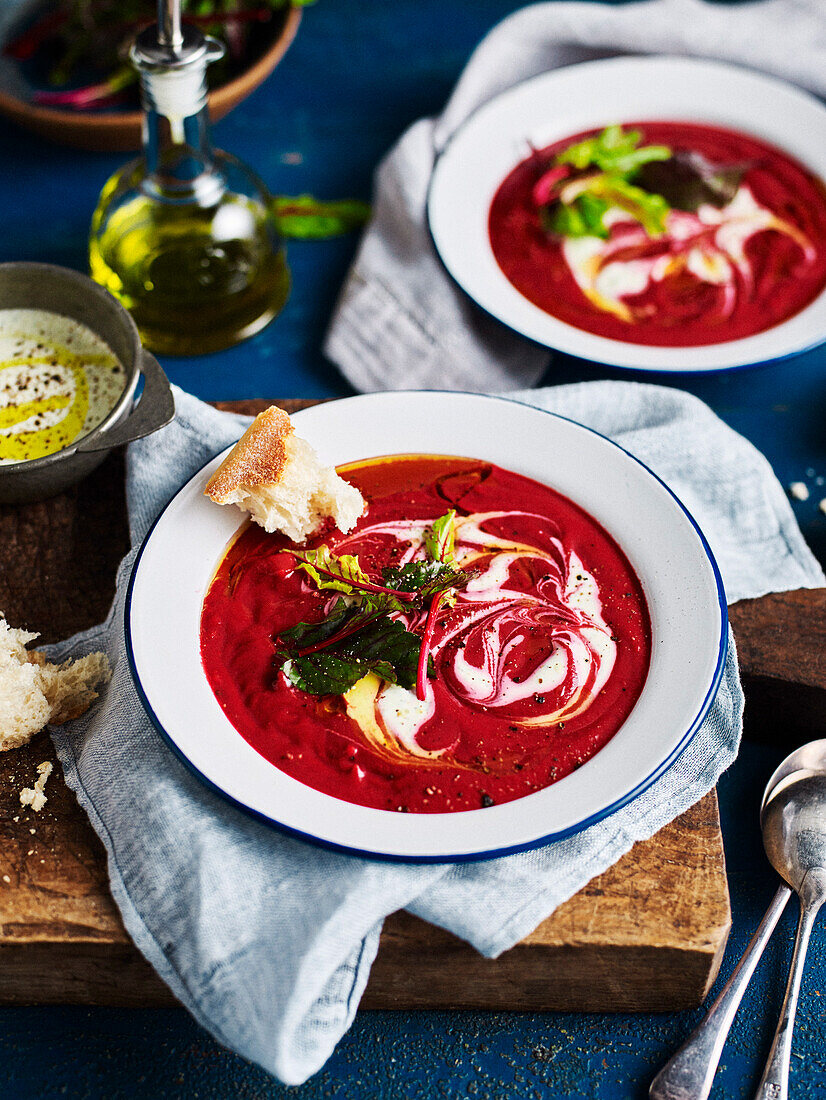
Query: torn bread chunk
[
  {"x": 69, "y": 687},
  {"x": 277, "y": 477},
  {"x": 35, "y": 692}
]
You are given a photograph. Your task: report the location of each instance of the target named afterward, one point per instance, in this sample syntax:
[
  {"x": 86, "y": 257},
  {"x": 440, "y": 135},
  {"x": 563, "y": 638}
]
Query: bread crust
[{"x": 258, "y": 458}]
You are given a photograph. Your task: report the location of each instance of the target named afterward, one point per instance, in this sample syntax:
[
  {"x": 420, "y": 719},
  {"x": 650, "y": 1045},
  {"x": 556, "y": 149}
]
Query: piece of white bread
[
  {"x": 34, "y": 692},
  {"x": 277, "y": 477}
]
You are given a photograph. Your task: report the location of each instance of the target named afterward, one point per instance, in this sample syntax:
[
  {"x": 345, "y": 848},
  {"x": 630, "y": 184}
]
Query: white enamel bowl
[
  {"x": 678, "y": 574},
  {"x": 567, "y": 101}
]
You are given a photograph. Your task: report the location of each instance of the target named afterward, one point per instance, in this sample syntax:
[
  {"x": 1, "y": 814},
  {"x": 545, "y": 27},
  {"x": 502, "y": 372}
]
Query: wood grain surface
[
  {"x": 646, "y": 935},
  {"x": 781, "y": 644}
]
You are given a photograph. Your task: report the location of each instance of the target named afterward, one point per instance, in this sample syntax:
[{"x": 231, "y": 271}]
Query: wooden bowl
[{"x": 122, "y": 132}]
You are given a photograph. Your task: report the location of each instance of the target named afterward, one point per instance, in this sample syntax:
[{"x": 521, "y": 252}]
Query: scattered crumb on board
[{"x": 35, "y": 797}]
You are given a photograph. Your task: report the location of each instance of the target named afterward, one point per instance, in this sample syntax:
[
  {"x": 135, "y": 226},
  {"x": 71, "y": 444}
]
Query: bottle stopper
[{"x": 172, "y": 59}]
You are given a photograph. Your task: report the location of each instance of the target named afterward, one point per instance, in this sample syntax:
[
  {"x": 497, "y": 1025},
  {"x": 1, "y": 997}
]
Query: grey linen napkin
[
  {"x": 269, "y": 940},
  {"x": 401, "y": 323}
]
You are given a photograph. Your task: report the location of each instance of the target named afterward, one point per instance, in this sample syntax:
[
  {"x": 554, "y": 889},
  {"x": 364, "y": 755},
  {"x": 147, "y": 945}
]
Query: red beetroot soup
[
  {"x": 538, "y": 663},
  {"x": 713, "y": 276}
]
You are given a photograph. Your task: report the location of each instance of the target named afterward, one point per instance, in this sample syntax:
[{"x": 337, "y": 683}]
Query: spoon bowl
[
  {"x": 810, "y": 757},
  {"x": 793, "y": 820}
]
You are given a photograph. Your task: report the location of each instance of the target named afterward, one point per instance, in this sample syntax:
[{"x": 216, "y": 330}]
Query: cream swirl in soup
[
  {"x": 534, "y": 662},
  {"x": 485, "y": 638}
]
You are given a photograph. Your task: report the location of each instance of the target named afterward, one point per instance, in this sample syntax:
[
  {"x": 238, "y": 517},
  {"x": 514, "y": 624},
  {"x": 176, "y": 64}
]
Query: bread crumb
[
  {"x": 822, "y": 506},
  {"x": 799, "y": 490},
  {"x": 32, "y": 830},
  {"x": 30, "y": 852},
  {"x": 6, "y": 878},
  {"x": 35, "y": 797}
]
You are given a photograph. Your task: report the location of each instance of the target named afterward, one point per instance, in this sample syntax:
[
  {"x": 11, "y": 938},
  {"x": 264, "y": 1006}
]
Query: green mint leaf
[
  {"x": 580, "y": 155},
  {"x": 383, "y": 646},
  {"x": 649, "y": 210},
  {"x": 565, "y": 220},
  {"x": 359, "y": 634},
  {"x": 307, "y": 634},
  {"x": 344, "y": 574},
  {"x": 628, "y": 164},
  {"x": 583, "y": 215},
  {"x": 614, "y": 151},
  {"x": 440, "y": 540},
  {"x": 427, "y": 578},
  {"x": 411, "y": 577},
  {"x": 306, "y": 218},
  {"x": 345, "y": 569},
  {"x": 592, "y": 209},
  {"x": 387, "y": 645},
  {"x": 323, "y": 673}
]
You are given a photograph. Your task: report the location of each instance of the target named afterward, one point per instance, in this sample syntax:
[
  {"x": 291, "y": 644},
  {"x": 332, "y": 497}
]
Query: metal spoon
[
  {"x": 794, "y": 834},
  {"x": 690, "y": 1073}
]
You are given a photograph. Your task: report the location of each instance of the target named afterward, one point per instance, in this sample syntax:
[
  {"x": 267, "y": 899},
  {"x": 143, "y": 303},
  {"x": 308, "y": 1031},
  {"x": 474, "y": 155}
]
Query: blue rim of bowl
[
  {"x": 492, "y": 853},
  {"x": 667, "y": 371}
]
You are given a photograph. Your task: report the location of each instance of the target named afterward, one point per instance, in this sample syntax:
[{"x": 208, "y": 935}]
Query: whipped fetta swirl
[
  {"x": 710, "y": 246},
  {"x": 525, "y": 640}
]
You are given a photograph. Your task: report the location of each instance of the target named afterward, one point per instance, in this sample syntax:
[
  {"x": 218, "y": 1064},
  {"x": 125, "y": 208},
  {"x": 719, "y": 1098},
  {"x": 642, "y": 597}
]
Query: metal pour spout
[
  {"x": 170, "y": 45},
  {"x": 172, "y": 58},
  {"x": 169, "y": 24}
]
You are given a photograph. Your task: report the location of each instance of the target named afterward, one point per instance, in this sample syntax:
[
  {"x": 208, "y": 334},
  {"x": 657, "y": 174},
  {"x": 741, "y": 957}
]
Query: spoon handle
[
  {"x": 689, "y": 1074},
  {"x": 774, "y": 1084}
]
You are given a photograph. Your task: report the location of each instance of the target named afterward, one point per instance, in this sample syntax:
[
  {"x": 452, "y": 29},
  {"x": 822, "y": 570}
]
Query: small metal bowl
[{"x": 59, "y": 290}]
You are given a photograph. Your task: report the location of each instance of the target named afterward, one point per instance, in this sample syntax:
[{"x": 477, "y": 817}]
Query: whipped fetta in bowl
[{"x": 58, "y": 381}]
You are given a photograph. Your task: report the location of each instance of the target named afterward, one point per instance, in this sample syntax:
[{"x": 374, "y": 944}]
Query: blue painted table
[{"x": 356, "y": 76}]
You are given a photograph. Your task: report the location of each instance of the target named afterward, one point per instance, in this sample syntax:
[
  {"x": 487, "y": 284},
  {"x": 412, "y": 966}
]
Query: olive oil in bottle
[{"x": 183, "y": 236}]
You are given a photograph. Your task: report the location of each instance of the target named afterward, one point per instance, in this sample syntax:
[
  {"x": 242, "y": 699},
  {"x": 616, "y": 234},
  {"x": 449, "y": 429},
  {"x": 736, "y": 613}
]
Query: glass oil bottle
[{"x": 183, "y": 236}]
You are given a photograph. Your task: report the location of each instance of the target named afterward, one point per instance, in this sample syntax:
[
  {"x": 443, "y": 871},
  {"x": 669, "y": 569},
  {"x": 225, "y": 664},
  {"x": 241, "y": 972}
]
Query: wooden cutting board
[{"x": 647, "y": 935}]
